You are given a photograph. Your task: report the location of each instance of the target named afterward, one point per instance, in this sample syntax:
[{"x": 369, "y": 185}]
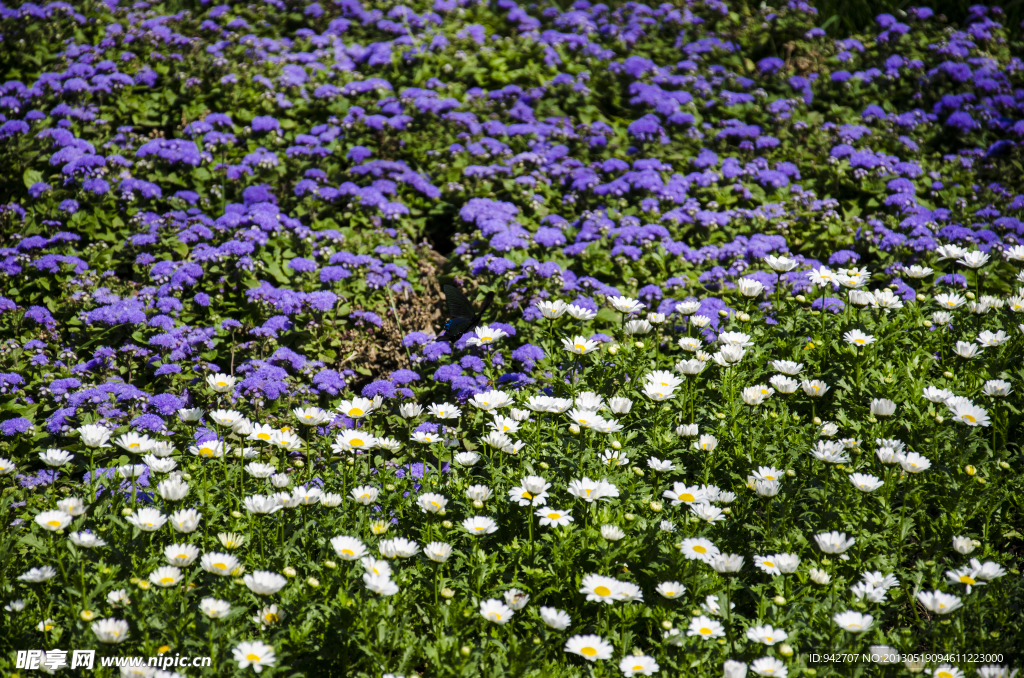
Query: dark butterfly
[{"x": 461, "y": 317}]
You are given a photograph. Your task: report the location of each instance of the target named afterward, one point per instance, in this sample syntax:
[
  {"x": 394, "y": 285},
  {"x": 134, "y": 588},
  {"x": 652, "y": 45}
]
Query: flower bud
[
  {"x": 299, "y": 463},
  {"x": 667, "y": 625},
  {"x": 330, "y": 564},
  {"x": 313, "y": 582},
  {"x": 980, "y": 480},
  {"x": 656, "y": 506},
  {"x": 786, "y": 650},
  {"x": 970, "y": 470},
  {"x": 447, "y": 593},
  {"x": 447, "y": 524},
  {"x": 947, "y": 375},
  {"x": 574, "y": 429},
  {"x": 939, "y": 419},
  {"x": 817, "y": 421},
  {"x": 779, "y": 600},
  {"x": 1003, "y": 465},
  {"x": 126, "y": 512},
  {"x": 630, "y": 516},
  {"x": 544, "y": 465},
  {"x": 613, "y": 350},
  {"x": 477, "y": 504},
  {"x": 616, "y": 445},
  {"x": 87, "y": 615},
  {"x": 289, "y": 572},
  {"x": 639, "y": 344},
  {"x": 465, "y": 650},
  {"x": 236, "y": 515}
]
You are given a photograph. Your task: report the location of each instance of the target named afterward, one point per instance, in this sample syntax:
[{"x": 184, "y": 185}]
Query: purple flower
[
  {"x": 379, "y": 388},
  {"x": 404, "y": 376},
  {"x": 831, "y": 304},
  {"x": 16, "y": 426},
  {"x": 843, "y": 257},
  {"x": 149, "y": 422},
  {"x": 770, "y": 65},
  {"x": 529, "y": 355},
  {"x": 329, "y": 381},
  {"x": 265, "y": 123},
  {"x": 302, "y": 265}
]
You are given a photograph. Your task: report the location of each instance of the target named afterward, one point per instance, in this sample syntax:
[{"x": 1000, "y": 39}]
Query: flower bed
[{"x": 746, "y": 398}]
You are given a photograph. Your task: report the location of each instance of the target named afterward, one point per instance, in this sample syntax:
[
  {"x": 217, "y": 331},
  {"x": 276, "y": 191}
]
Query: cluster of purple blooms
[{"x": 294, "y": 208}]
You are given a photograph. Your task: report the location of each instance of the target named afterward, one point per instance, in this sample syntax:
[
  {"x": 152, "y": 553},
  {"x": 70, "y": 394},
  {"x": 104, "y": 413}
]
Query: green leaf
[{"x": 31, "y": 176}]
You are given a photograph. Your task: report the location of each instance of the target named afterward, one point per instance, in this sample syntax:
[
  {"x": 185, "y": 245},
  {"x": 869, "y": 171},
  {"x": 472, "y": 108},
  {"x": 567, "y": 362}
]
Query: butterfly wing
[
  {"x": 483, "y": 309},
  {"x": 460, "y": 312},
  {"x": 458, "y": 304},
  {"x": 455, "y": 328}
]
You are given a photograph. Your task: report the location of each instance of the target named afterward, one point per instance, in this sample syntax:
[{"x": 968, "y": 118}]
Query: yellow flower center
[
  {"x": 495, "y": 616},
  {"x": 478, "y": 528},
  {"x": 964, "y": 579},
  {"x": 686, "y": 497},
  {"x": 554, "y": 516},
  {"x": 705, "y": 631},
  {"x": 167, "y": 580},
  {"x": 252, "y": 657},
  {"x": 969, "y": 418},
  {"x": 769, "y": 563},
  {"x": 670, "y": 593},
  {"x": 579, "y": 347},
  {"x": 205, "y": 452},
  {"x": 220, "y": 566},
  {"x": 485, "y": 339},
  {"x": 263, "y": 436},
  {"x": 355, "y": 412},
  {"x": 53, "y": 523},
  {"x": 588, "y": 651},
  {"x": 700, "y": 549},
  {"x": 222, "y": 383},
  {"x": 602, "y": 591},
  {"x": 588, "y": 491},
  {"x": 356, "y": 442},
  {"x": 527, "y": 495},
  {"x": 270, "y": 618}
]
